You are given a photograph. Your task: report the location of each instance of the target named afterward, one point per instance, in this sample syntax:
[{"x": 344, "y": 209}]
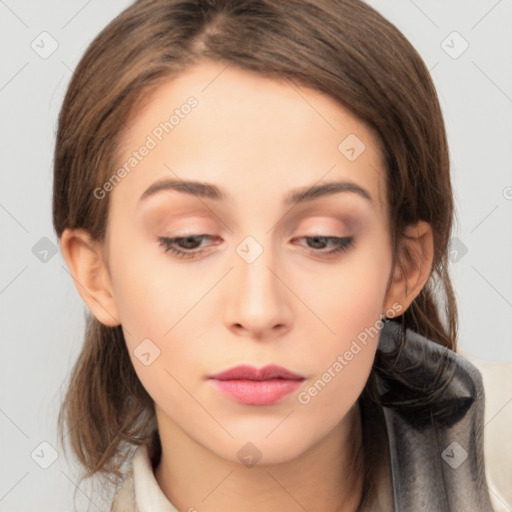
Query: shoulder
[
  {"x": 497, "y": 382},
  {"x": 436, "y": 412}
]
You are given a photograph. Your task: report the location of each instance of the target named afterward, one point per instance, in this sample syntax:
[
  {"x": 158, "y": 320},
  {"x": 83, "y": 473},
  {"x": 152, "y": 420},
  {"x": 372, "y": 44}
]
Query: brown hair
[{"x": 343, "y": 48}]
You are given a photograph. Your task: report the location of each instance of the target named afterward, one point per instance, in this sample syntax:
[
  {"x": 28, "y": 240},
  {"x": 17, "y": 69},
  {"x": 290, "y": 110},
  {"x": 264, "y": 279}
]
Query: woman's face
[{"x": 257, "y": 285}]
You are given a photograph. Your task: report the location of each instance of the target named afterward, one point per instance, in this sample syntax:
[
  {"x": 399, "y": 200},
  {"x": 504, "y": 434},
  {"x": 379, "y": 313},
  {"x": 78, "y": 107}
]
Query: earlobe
[
  {"x": 85, "y": 260},
  {"x": 414, "y": 266}
]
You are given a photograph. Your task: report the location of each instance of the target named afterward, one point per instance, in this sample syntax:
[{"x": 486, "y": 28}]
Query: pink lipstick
[{"x": 252, "y": 386}]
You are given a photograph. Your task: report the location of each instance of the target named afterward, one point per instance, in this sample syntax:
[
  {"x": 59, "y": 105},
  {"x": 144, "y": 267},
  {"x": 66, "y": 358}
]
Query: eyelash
[{"x": 342, "y": 244}]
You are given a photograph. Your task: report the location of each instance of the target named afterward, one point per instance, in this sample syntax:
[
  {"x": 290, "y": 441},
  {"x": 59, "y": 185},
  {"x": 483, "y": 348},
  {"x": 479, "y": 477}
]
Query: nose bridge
[
  {"x": 256, "y": 301},
  {"x": 256, "y": 259}
]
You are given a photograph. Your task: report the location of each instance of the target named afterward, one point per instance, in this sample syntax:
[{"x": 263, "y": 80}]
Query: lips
[
  {"x": 252, "y": 386},
  {"x": 246, "y": 372}
]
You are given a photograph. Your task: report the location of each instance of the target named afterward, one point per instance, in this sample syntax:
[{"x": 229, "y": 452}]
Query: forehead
[{"x": 252, "y": 135}]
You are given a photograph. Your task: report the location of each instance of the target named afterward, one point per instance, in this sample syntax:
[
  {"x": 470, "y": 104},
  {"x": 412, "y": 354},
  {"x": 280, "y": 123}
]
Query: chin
[{"x": 253, "y": 449}]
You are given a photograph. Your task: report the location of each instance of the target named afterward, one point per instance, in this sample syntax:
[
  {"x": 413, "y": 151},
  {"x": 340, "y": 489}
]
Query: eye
[
  {"x": 341, "y": 244},
  {"x": 183, "y": 247},
  {"x": 187, "y": 244}
]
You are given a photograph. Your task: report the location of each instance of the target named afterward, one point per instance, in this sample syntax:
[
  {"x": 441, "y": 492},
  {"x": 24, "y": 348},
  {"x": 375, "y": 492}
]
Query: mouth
[{"x": 251, "y": 386}]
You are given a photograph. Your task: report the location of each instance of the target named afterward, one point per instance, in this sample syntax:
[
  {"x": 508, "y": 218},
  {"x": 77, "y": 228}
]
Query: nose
[{"x": 257, "y": 302}]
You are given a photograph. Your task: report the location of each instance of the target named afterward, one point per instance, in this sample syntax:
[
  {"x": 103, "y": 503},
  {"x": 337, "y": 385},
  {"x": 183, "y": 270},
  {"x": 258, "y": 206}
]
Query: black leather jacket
[{"x": 436, "y": 448}]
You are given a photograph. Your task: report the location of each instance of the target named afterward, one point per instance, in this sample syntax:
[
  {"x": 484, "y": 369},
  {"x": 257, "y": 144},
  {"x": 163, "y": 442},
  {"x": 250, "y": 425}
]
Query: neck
[{"x": 328, "y": 477}]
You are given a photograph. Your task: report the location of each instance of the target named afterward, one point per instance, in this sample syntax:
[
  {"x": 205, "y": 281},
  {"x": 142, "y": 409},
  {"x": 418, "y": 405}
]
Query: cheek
[
  {"x": 349, "y": 297},
  {"x": 343, "y": 358},
  {"x": 328, "y": 398},
  {"x": 156, "y": 304},
  {"x": 151, "y": 295},
  {"x": 349, "y": 302}
]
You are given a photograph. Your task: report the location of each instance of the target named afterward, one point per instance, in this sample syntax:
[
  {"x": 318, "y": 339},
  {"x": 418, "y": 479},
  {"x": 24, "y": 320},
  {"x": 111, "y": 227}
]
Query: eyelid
[
  {"x": 331, "y": 223},
  {"x": 343, "y": 244}
]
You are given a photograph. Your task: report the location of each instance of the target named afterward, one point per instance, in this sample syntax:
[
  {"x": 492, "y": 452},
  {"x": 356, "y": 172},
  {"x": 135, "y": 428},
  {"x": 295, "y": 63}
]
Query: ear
[
  {"x": 86, "y": 262},
  {"x": 413, "y": 267}
]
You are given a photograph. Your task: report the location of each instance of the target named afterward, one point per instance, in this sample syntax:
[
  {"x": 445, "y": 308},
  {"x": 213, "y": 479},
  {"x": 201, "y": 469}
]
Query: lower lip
[{"x": 256, "y": 392}]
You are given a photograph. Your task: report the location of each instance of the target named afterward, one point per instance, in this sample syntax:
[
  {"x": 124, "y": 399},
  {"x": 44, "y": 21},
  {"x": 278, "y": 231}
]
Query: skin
[{"x": 257, "y": 139}]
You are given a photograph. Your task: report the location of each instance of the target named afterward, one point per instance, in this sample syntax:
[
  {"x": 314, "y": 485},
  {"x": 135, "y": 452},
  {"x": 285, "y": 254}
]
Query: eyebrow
[{"x": 295, "y": 196}]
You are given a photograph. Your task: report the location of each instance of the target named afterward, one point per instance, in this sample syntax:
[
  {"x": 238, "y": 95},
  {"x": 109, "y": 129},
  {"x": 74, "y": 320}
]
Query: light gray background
[{"x": 41, "y": 311}]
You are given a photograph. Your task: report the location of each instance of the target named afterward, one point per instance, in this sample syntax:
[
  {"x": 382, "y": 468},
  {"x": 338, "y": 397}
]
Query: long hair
[{"x": 343, "y": 48}]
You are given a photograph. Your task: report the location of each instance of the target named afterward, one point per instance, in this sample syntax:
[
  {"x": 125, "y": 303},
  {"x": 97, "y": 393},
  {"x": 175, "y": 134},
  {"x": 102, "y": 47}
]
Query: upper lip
[{"x": 271, "y": 371}]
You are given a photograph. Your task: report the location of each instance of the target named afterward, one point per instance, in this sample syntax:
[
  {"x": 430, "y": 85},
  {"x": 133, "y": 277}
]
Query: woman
[{"x": 254, "y": 200}]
